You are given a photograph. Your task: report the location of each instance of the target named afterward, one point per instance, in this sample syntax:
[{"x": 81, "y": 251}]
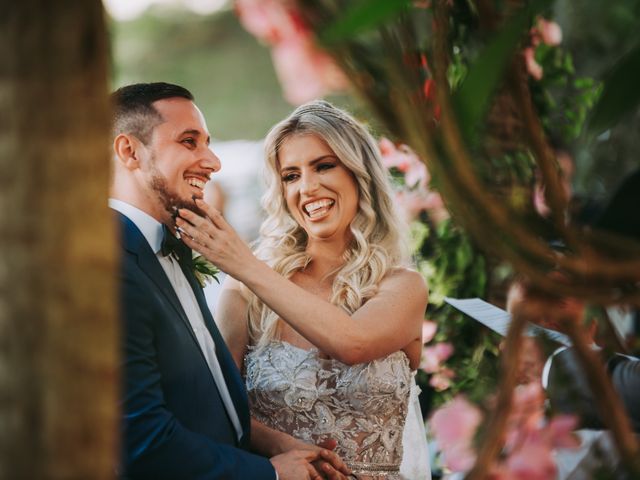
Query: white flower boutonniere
[{"x": 204, "y": 270}]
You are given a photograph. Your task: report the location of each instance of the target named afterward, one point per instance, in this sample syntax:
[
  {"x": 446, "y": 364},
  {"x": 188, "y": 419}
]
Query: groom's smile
[{"x": 181, "y": 162}]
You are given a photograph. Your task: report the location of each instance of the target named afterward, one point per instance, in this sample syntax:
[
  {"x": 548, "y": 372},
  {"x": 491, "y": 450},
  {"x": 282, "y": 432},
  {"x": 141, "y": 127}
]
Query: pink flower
[
  {"x": 387, "y": 147},
  {"x": 441, "y": 380},
  {"x": 417, "y": 174},
  {"x": 433, "y": 356},
  {"x": 454, "y": 426},
  {"x": 560, "y": 431},
  {"x": 533, "y": 461},
  {"x": 533, "y": 67},
  {"x": 268, "y": 20},
  {"x": 405, "y": 160},
  {"x": 550, "y": 32},
  {"x": 304, "y": 71},
  {"x": 393, "y": 157},
  {"x": 429, "y": 329}
]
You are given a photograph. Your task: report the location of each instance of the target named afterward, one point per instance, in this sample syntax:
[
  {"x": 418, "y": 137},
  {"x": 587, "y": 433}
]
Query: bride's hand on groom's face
[{"x": 215, "y": 239}]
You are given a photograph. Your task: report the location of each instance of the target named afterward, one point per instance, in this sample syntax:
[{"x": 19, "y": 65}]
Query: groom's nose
[{"x": 211, "y": 161}]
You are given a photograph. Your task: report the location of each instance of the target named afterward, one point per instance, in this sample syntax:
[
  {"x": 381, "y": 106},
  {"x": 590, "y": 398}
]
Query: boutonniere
[{"x": 204, "y": 270}]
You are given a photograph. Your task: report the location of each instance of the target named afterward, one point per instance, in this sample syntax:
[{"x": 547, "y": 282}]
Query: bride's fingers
[
  {"x": 214, "y": 215},
  {"x": 194, "y": 233},
  {"x": 195, "y": 219},
  {"x": 335, "y": 460}
]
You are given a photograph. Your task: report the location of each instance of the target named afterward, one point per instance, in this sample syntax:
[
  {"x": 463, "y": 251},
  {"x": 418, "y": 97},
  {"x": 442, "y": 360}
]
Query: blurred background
[{"x": 200, "y": 44}]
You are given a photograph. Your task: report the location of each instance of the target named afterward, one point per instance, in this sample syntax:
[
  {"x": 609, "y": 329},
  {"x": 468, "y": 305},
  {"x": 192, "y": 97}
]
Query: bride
[{"x": 324, "y": 320}]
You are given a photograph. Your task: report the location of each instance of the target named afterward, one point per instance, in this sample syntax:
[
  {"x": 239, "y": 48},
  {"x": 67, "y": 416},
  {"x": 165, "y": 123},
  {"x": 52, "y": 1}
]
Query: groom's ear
[{"x": 126, "y": 149}]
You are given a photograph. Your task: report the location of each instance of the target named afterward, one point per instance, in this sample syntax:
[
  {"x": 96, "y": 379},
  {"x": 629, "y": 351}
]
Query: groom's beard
[{"x": 170, "y": 200}]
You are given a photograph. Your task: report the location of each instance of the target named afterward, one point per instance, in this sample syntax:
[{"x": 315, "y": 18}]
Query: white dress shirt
[{"x": 152, "y": 231}]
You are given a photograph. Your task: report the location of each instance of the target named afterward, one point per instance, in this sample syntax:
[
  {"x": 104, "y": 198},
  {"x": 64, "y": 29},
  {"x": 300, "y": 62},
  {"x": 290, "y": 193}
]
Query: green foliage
[
  {"x": 364, "y": 15},
  {"x": 563, "y": 99},
  {"x": 486, "y": 72},
  {"x": 453, "y": 267},
  {"x": 204, "y": 270},
  {"x": 620, "y": 94},
  {"x": 450, "y": 264}
]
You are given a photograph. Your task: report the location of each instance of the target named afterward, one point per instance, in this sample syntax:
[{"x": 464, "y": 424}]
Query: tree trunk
[{"x": 58, "y": 324}]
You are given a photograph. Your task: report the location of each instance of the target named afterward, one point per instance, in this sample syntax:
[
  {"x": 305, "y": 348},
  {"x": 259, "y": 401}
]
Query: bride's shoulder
[
  {"x": 402, "y": 278},
  {"x": 232, "y": 285}
]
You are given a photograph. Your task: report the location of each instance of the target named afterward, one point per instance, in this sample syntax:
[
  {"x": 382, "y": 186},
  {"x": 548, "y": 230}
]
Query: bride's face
[{"x": 320, "y": 192}]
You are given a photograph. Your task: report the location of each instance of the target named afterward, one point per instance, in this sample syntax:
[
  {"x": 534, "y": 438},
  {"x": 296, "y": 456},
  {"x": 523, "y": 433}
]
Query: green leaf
[
  {"x": 620, "y": 94},
  {"x": 365, "y": 15},
  {"x": 472, "y": 99}
]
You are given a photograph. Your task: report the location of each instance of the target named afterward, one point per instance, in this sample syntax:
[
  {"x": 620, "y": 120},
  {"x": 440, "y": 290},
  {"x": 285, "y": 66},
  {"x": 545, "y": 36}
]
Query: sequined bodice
[{"x": 363, "y": 407}]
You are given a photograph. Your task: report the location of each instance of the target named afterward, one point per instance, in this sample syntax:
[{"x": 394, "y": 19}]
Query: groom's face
[{"x": 177, "y": 162}]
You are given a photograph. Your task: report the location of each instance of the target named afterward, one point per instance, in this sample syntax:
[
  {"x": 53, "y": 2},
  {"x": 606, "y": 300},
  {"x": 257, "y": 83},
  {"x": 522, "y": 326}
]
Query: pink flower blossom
[
  {"x": 304, "y": 71},
  {"x": 533, "y": 67},
  {"x": 433, "y": 356},
  {"x": 268, "y": 20},
  {"x": 417, "y": 174},
  {"x": 429, "y": 328},
  {"x": 550, "y": 32},
  {"x": 560, "y": 431},
  {"x": 533, "y": 461},
  {"x": 396, "y": 157},
  {"x": 441, "y": 380},
  {"x": 454, "y": 426}
]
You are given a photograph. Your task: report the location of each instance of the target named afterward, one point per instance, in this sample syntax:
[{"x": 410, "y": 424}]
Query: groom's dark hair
[{"x": 134, "y": 113}]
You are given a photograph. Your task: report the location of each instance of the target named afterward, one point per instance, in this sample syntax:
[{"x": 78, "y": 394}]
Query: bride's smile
[{"x": 320, "y": 191}]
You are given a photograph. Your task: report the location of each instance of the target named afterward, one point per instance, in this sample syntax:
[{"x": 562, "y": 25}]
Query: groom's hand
[
  {"x": 331, "y": 465},
  {"x": 310, "y": 462},
  {"x": 296, "y": 465}
]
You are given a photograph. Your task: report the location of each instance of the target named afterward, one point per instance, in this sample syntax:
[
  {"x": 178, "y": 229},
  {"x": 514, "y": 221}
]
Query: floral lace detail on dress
[{"x": 363, "y": 407}]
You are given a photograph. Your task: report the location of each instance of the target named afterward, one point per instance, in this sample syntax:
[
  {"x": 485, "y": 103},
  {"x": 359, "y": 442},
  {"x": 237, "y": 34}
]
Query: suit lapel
[
  {"x": 230, "y": 371},
  {"x": 136, "y": 244}
]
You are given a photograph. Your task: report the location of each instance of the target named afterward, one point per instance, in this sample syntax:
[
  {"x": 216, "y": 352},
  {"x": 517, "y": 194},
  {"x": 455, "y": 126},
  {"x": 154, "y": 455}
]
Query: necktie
[{"x": 173, "y": 245}]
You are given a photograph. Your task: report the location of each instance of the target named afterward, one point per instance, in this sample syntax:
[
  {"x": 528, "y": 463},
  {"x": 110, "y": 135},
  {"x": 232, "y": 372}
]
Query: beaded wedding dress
[{"x": 363, "y": 407}]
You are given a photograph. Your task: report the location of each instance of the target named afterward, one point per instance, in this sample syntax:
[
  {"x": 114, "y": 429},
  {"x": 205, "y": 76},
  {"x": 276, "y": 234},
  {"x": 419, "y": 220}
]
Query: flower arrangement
[
  {"x": 204, "y": 270},
  {"x": 531, "y": 438}
]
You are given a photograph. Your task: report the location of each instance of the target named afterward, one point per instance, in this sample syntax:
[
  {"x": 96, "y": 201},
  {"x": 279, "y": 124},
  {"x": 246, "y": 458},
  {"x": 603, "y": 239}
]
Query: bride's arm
[{"x": 386, "y": 323}]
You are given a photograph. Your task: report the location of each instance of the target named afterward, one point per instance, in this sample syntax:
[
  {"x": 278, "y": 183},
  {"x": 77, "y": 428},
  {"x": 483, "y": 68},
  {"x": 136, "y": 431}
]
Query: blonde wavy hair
[{"x": 377, "y": 245}]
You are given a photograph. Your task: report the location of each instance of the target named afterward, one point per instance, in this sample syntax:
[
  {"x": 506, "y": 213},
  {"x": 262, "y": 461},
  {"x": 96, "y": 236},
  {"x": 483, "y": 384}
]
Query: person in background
[{"x": 562, "y": 375}]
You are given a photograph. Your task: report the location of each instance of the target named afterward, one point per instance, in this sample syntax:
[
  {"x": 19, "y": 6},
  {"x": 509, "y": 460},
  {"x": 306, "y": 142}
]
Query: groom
[{"x": 185, "y": 410}]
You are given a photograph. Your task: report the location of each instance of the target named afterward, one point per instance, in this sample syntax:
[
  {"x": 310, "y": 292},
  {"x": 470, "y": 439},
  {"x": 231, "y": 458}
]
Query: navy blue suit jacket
[{"x": 175, "y": 424}]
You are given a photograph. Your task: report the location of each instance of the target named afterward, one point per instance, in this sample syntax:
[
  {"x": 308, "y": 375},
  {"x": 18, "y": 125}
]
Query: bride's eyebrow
[{"x": 312, "y": 162}]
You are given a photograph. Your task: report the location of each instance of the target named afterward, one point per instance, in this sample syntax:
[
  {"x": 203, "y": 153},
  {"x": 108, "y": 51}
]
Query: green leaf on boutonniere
[{"x": 204, "y": 270}]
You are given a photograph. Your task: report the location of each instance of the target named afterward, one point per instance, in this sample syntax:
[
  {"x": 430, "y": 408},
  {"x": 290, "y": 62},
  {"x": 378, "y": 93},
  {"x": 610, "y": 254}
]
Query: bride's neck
[{"x": 323, "y": 263}]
